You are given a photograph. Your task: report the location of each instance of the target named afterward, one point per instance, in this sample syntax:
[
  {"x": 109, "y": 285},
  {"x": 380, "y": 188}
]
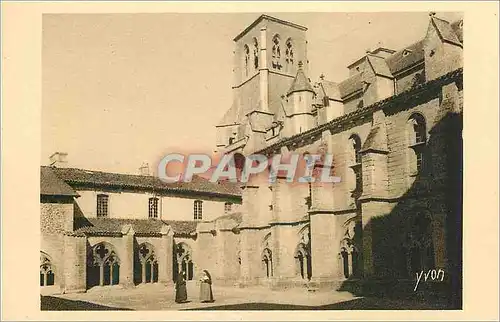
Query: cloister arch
[
  {"x": 183, "y": 260},
  {"x": 103, "y": 265},
  {"x": 47, "y": 274}
]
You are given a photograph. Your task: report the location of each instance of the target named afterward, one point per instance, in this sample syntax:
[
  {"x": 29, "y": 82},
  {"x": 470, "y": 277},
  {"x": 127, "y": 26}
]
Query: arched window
[
  {"x": 198, "y": 210},
  {"x": 289, "y": 59},
  {"x": 345, "y": 262},
  {"x": 153, "y": 207},
  {"x": 355, "y": 148},
  {"x": 276, "y": 52},
  {"x": 246, "y": 60},
  {"x": 147, "y": 268},
  {"x": 255, "y": 54},
  {"x": 183, "y": 261},
  {"x": 47, "y": 276},
  {"x": 267, "y": 262},
  {"x": 103, "y": 266},
  {"x": 349, "y": 257},
  {"x": 303, "y": 262},
  {"x": 417, "y": 141}
]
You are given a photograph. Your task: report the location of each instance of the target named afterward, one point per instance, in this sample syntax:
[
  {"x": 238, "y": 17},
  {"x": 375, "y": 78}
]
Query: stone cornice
[{"x": 338, "y": 124}]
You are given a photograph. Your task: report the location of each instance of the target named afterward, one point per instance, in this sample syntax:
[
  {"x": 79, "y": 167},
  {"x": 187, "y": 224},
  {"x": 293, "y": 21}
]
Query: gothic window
[
  {"x": 246, "y": 60},
  {"x": 103, "y": 266},
  {"x": 303, "y": 261},
  {"x": 289, "y": 59},
  {"x": 102, "y": 205},
  {"x": 227, "y": 207},
  {"x": 147, "y": 270},
  {"x": 349, "y": 256},
  {"x": 345, "y": 262},
  {"x": 417, "y": 139},
  {"x": 276, "y": 53},
  {"x": 47, "y": 276},
  {"x": 267, "y": 262},
  {"x": 153, "y": 207},
  {"x": 198, "y": 210},
  {"x": 256, "y": 54},
  {"x": 183, "y": 261}
]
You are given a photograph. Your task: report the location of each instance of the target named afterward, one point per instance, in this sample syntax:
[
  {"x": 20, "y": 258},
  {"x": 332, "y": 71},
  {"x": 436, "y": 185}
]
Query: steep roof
[
  {"x": 379, "y": 66},
  {"x": 330, "y": 89},
  {"x": 445, "y": 31},
  {"x": 300, "y": 83},
  {"x": 52, "y": 185},
  {"x": 148, "y": 227},
  {"x": 351, "y": 85},
  {"x": 74, "y": 176},
  {"x": 406, "y": 57},
  {"x": 457, "y": 28}
]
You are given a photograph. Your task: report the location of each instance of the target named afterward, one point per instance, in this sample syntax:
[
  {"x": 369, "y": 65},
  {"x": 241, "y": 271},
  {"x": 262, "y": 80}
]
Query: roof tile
[
  {"x": 106, "y": 226},
  {"x": 52, "y": 185},
  {"x": 74, "y": 176}
]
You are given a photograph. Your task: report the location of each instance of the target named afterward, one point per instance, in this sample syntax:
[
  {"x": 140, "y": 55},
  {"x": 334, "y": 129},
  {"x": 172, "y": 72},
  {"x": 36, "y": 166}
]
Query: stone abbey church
[{"x": 394, "y": 128}]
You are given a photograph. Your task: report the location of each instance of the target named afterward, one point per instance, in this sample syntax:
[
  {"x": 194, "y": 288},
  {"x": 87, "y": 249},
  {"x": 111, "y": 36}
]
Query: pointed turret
[
  {"x": 299, "y": 104},
  {"x": 300, "y": 83}
]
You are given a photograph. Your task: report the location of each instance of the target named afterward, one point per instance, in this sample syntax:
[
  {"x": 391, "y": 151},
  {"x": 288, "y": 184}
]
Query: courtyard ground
[{"x": 159, "y": 297}]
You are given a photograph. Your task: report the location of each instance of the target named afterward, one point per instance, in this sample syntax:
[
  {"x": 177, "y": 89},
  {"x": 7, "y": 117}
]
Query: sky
[{"x": 119, "y": 90}]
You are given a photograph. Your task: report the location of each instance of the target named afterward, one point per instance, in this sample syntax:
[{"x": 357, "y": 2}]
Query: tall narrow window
[
  {"x": 289, "y": 55},
  {"x": 417, "y": 141},
  {"x": 256, "y": 54},
  {"x": 227, "y": 207},
  {"x": 102, "y": 205},
  {"x": 153, "y": 207},
  {"x": 246, "y": 59},
  {"x": 276, "y": 52},
  {"x": 355, "y": 142},
  {"x": 198, "y": 210}
]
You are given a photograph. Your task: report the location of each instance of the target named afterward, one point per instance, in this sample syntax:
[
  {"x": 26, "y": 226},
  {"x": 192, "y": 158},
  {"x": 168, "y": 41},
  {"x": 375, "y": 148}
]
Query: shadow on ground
[
  {"x": 356, "y": 304},
  {"x": 51, "y": 303}
]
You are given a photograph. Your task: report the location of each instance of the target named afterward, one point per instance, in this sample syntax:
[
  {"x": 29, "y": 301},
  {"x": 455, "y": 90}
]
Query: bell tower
[{"x": 266, "y": 58}]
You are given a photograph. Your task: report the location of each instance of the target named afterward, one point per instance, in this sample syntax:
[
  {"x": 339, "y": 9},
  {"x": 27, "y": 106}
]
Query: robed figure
[
  {"x": 180, "y": 288},
  {"x": 206, "y": 294}
]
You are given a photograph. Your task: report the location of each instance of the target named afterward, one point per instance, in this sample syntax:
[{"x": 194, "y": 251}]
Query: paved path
[{"x": 160, "y": 297}]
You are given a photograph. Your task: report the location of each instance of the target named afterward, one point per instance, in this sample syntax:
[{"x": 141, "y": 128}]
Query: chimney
[
  {"x": 144, "y": 169},
  {"x": 59, "y": 159}
]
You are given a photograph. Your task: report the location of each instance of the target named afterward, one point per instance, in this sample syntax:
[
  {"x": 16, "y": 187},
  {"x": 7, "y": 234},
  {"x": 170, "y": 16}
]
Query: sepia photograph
[{"x": 252, "y": 161}]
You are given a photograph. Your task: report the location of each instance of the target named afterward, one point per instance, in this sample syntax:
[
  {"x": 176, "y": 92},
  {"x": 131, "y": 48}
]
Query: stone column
[
  {"x": 325, "y": 245},
  {"x": 375, "y": 185},
  {"x": 75, "y": 260},
  {"x": 263, "y": 71},
  {"x": 127, "y": 257},
  {"x": 165, "y": 256},
  {"x": 248, "y": 256}
]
